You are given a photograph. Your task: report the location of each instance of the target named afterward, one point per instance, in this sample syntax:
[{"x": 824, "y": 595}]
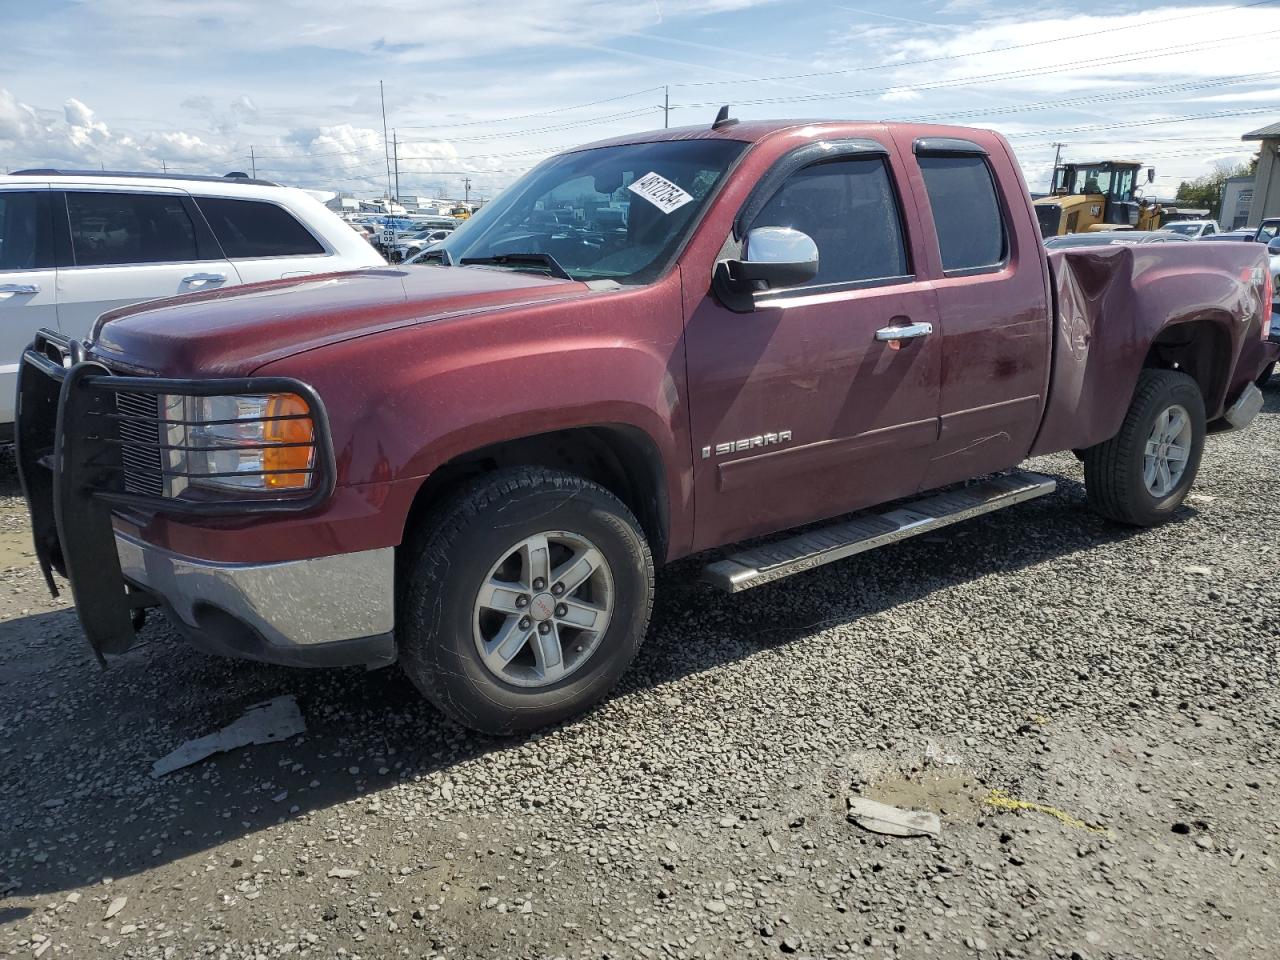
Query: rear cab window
[
  {"x": 250, "y": 229},
  {"x": 972, "y": 234},
  {"x": 117, "y": 229}
]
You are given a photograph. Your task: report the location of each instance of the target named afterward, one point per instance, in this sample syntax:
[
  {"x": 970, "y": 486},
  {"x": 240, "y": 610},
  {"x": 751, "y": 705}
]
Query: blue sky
[{"x": 484, "y": 90}]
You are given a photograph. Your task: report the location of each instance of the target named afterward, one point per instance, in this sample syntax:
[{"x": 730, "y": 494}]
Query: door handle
[
  {"x": 907, "y": 331},
  {"x": 19, "y": 288},
  {"x": 205, "y": 278}
]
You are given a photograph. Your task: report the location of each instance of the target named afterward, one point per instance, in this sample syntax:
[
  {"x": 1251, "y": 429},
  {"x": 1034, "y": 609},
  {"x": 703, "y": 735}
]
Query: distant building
[
  {"x": 1237, "y": 198},
  {"x": 343, "y": 203},
  {"x": 1266, "y": 184}
]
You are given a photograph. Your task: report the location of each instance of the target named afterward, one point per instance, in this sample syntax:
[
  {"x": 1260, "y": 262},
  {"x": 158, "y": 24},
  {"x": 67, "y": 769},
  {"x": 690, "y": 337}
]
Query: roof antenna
[{"x": 723, "y": 119}]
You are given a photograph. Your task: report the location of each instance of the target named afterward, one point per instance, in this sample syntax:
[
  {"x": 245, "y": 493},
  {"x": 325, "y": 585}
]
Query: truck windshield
[{"x": 616, "y": 213}]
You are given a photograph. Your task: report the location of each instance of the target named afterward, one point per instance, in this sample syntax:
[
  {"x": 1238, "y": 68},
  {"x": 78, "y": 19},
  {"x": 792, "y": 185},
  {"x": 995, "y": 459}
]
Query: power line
[
  {"x": 1144, "y": 123},
  {"x": 989, "y": 77},
  {"x": 975, "y": 53},
  {"x": 550, "y": 111},
  {"x": 1134, "y": 93}
]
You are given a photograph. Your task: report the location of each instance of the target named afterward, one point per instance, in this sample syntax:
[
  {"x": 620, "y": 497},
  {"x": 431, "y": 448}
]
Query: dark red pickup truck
[{"x": 642, "y": 349}]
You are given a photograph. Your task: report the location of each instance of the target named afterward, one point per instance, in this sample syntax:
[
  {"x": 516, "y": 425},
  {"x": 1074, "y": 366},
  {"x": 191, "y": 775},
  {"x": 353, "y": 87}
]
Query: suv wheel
[
  {"x": 1142, "y": 474},
  {"x": 523, "y": 599}
]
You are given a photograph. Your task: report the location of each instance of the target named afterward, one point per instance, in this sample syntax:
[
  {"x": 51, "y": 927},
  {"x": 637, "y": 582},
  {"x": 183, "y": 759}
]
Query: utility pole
[
  {"x": 666, "y": 107},
  {"x": 395, "y": 153},
  {"x": 1057, "y": 154},
  {"x": 253, "y": 163},
  {"x": 387, "y": 155},
  {"x": 164, "y": 166},
  {"x": 466, "y": 187}
]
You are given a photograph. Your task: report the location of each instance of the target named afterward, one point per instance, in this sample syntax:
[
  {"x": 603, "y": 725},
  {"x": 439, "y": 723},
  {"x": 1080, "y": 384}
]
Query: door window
[
  {"x": 126, "y": 228},
  {"x": 26, "y": 241},
  {"x": 850, "y": 209},
  {"x": 250, "y": 228},
  {"x": 966, "y": 213}
]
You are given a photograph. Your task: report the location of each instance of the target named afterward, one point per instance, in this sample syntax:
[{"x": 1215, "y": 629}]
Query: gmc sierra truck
[{"x": 645, "y": 348}]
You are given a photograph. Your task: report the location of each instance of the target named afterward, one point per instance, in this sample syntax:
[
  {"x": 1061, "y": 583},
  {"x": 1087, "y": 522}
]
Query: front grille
[{"x": 140, "y": 443}]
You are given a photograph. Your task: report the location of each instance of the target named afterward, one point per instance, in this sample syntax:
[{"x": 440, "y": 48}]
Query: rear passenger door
[
  {"x": 992, "y": 302},
  {"x": 263, "y": 239},
  {"x": 131, "y": 246},
  {"x": 28, "y": 294},
  {"x": 802, "y": 409}
]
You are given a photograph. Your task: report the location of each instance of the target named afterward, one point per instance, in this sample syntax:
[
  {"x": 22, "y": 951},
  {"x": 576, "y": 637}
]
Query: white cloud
[
  {"x": 312, "y": 114},
  {"x": 900, "y": 95}
]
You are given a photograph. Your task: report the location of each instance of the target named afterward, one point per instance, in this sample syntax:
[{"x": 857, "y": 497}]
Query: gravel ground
[{"x": 1125, "y": 681}]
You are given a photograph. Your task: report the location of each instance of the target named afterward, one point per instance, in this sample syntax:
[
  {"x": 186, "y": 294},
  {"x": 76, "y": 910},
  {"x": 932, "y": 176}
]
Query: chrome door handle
[
  {"x": 19, "y": 288},
  {"x": 205, "y": 278},
  {"x": 906, "y": 332}
]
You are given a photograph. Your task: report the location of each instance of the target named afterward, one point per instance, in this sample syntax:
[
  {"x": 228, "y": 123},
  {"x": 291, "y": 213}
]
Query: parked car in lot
[
  {"x": 475, "y": 466},
  {"x": 1104, "y": 238},
  {"x": 415, "y": 244},
  {"x": 1236, "y": 235},
  {"x": 1191, "y": 229},
  {"x": 1267, "y": 230},
  {"x": 75, "y": 244}
]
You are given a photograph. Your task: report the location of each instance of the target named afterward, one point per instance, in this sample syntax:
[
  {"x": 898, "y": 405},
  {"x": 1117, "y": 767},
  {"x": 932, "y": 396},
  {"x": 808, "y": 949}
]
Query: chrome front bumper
[{"x": 328, "y": 611}]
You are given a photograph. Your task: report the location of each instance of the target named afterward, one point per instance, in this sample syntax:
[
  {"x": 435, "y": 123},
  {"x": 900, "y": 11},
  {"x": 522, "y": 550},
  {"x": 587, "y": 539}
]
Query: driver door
[{"x": 798, "y": 411}]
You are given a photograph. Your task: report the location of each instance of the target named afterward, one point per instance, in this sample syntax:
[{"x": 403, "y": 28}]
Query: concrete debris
[
  {"x": 882, "y": 818},
  {"x": 267, "y": 722}
]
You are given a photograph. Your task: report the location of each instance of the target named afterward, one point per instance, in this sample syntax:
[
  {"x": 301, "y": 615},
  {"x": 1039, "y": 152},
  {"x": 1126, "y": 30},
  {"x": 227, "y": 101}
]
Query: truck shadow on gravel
[{"x": 78, "y": 744}]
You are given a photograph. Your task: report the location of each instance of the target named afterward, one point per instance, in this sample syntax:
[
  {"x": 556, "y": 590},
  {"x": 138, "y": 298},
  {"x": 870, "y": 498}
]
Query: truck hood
[{"x": 232, "y": 332}]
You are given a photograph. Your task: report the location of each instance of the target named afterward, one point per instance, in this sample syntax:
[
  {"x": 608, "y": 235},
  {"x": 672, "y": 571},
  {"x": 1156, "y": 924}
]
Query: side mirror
[
  {"x": 1273, "y": 247},
  {"x": 1151, "y": 174},
  {"x": 771, "y": 257}
]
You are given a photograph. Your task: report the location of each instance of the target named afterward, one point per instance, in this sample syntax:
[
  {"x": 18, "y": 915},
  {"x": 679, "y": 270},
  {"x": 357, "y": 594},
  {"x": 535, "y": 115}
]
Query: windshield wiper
[{"x": 502, "y": 259}]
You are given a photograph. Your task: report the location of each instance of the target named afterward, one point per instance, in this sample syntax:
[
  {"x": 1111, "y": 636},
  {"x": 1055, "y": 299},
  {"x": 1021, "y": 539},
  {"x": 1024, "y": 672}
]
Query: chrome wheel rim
[
  {"x": 1167, "y": 451},
  {"x": 543, "y": 608}
]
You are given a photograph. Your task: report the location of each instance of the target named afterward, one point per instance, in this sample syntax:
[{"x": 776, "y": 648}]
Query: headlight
[{"x": 263, "y": 442}]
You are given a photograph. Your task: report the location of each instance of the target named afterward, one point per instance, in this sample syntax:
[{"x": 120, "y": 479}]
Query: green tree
[{"x": 1206, "y": 192}]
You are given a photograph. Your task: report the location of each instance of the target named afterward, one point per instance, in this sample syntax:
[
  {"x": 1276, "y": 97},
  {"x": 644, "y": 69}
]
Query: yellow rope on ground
[{"x": 1002, "y": 801}]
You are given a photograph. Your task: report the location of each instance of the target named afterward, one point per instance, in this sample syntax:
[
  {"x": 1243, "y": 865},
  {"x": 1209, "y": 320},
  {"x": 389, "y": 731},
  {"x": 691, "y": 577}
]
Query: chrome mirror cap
[{"x": 779, "y": 245}]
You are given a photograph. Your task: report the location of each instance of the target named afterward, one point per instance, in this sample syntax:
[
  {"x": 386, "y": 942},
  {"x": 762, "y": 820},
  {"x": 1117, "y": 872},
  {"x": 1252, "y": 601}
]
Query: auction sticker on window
[{"x": 661, "y": 192}]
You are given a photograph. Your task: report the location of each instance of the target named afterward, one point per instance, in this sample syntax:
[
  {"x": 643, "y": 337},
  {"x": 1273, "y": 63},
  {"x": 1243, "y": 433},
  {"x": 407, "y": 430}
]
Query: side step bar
[{"x": 866, "y": 531}]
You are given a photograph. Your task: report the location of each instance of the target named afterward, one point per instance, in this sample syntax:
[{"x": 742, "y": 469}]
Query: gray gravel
[{"x": 1125, "y": 680}]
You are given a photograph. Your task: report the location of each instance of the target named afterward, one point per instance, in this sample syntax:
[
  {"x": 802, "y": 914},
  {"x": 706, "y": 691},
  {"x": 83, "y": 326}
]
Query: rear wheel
[
  {"x": 523, "y": 599},
  {"x": 1142, "y": 474}
]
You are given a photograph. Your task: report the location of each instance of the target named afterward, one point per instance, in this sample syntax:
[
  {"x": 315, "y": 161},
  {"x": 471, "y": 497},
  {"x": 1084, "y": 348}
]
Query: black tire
[
  {"x": 1265, "y": 376},
  {"x": 1113, "y": 471},
  {"x": 454, "y": 549}
]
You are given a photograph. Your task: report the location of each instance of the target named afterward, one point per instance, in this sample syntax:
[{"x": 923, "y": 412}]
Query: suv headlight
[{"x": 260, "y": 442}]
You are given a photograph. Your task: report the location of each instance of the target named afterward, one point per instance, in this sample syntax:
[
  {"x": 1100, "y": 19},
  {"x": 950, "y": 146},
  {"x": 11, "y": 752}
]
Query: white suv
[{"x": 75, "y": 244}]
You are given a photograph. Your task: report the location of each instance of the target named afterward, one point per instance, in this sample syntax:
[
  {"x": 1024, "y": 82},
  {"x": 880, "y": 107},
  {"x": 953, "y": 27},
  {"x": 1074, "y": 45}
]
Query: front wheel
[
  {"x": 1142, "y": 474},
  {"x": 523, "y": 599}
]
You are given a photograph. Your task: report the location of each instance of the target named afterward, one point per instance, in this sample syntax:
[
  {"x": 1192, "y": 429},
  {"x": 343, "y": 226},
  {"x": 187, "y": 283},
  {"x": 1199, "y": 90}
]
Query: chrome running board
[{"x": 866, "y": 531}]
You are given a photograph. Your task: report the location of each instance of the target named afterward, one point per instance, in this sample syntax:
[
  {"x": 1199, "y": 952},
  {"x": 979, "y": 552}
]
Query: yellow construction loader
[{"x": 1102, "y": 195}]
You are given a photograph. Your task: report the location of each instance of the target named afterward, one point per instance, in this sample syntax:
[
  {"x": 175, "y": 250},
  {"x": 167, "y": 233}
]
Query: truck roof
[{"x": 752, "y": 131}]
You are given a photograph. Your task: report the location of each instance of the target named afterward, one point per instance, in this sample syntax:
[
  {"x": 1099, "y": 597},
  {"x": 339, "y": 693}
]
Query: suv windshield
[
  {"x": 615, "y": 213},
  {"x": 1186, "y": 228}
]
